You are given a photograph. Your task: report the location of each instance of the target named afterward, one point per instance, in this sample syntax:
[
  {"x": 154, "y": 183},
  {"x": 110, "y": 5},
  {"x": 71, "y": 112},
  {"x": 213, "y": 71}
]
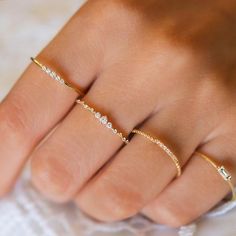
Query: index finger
[{"x": 37, "y": 103}]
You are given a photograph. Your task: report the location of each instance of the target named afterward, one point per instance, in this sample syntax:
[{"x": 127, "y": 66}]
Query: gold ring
[
  {"x": 103, "y": 120},
  {"x": 163, "y": 147},
  {"x": 55, "y": 76},
  {"x": 224, "y": 173}
]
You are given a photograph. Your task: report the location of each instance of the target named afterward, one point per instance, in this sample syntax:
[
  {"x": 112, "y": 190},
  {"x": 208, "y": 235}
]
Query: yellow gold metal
[
  {"x": 103, "y": 120},
  {"x": 55, "y": 76},
  {"x": 224, "y": 173},
  {"x": 163, "y": 147}
]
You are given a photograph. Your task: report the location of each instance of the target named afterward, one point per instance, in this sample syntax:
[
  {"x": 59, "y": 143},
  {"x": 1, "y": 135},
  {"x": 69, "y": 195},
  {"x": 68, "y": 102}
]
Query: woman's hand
[{"x": 166, "y": 67}]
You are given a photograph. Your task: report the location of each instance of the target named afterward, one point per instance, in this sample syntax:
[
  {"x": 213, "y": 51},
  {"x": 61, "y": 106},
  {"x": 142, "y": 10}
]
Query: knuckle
[
  {"x": 113, "y": 13},
  {"x": 14, "y": 116},
  {"x": 52, "y": 178}
]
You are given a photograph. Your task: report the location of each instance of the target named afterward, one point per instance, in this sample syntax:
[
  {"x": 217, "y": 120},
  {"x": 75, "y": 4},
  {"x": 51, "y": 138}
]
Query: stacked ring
[
  {"x": 224, "y": 173},
  {"x": 163, "y": 147},
  {"x": 103, "y": 120},
  {"x": 55, "y": 76}
]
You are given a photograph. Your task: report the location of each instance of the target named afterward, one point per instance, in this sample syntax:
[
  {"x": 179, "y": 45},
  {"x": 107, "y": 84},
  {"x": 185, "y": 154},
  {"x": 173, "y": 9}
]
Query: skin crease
[{"x": 166, "y": 67}]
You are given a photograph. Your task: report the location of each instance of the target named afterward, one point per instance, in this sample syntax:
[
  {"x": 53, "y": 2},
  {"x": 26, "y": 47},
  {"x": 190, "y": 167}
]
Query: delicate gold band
[
  {"x": 224, "y": 173},
  {"x": 55, "y": 76},
  {"x": 163, "y": 147},
  {"x": 103, "y": 120}
]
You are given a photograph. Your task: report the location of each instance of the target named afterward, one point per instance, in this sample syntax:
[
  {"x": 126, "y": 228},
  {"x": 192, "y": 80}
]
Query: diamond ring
[
  {"x": 224, "y": 173},
  {"x": 55, "y": 76},
  {"x": 103, "y": 120}
]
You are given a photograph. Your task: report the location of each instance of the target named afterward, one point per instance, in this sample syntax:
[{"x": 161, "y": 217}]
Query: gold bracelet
[
  {"x": 55, "y": 76},
  {"x": 224, "y": 173},
  {"x": 103, "y": 120},
  {"x": 163, "y": 147}
]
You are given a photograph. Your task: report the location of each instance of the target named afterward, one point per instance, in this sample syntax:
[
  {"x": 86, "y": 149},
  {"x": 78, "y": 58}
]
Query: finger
[
  {"x": 199, "y": 189},
  {"x": 81, "y": 145},
  {"x": 141, "y": 170},
  {"x": 37, "y": 103}
]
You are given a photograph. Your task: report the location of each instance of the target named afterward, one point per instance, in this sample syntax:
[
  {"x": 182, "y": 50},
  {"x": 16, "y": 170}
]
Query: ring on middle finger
[{"x": 103, "y": 120}]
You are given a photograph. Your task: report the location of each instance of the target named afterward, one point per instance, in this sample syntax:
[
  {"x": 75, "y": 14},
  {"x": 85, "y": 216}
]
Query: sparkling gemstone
[
  {"x": 44, "y": 68},
  {"x": 48, "y": 70},
  {"x": 109, "y": 125},
  {"x": 85, "y": 106},
  {"x": 103, "y": 120},
  {"x": 115, "y": 131},
  {"x": 224, "y": 173},
  {"x": 53, "y": 74},
  {"x": 98, "y": 115},
  {"x": 58, "y": 78},
  {"x": 62, "y": 81}
]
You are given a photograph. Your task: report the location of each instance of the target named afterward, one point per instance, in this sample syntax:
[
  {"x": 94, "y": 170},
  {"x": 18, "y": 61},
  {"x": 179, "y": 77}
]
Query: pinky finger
[{"x": 198, "y": 190}]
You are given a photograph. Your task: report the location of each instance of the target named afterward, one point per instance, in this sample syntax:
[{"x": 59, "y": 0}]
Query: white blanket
[{"x": 26, "y": 213}]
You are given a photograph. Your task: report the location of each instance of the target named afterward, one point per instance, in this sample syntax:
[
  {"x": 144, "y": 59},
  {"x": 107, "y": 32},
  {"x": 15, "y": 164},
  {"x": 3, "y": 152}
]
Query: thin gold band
[
  {"x": 163, "y": 147},
  {"x": 103, "y": 120},
  {"x": 224, "y": 173},
  {"x": 55, "y": 76}
]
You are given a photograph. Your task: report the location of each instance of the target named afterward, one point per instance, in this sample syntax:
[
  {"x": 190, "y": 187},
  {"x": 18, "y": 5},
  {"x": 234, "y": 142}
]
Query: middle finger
[{"x": 81, "y": 145}]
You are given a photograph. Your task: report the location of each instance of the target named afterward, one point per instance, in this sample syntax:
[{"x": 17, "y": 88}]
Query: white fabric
[
  {"x": 32, "y": 215},
  {"x": 25, "y": 27}
]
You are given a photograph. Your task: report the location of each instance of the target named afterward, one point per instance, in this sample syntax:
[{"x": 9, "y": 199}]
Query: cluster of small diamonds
[
  {"x": 103, "y": 120},
  {"x": 53, "y": 74}
]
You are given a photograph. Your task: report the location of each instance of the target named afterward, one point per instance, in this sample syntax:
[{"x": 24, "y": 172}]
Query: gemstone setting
[
  {"x": 53, "y": 74},
  {"x": 109, "y": 125},
  {"x": 98, "y": 115},
  {"x": 103, "y": 120},
  {"x": 224, "y": 173}
]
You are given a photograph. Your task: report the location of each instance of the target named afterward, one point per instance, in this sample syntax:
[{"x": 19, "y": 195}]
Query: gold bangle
[
  {"x": 55, "y": 76},
  {"x": 224, "y": 173},
  {"x": 163, "y": 147},
  {"x": 103, "y": 120}
]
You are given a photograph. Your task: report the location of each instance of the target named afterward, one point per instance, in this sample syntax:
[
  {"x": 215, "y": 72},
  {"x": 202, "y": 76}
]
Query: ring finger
[{"x": 37, "y": 103}]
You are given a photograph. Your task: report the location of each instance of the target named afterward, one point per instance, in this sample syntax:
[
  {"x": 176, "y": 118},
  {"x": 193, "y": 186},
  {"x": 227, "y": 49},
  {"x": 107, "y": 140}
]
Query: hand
[{"x": 166, "y": 67}]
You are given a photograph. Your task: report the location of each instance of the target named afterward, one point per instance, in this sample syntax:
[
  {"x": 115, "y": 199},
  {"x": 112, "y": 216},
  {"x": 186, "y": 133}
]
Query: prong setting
[
  {"x": 55, "y": 76},
  {"x": 103, "y": 120},
  {"x": 224, "y": 173}
]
